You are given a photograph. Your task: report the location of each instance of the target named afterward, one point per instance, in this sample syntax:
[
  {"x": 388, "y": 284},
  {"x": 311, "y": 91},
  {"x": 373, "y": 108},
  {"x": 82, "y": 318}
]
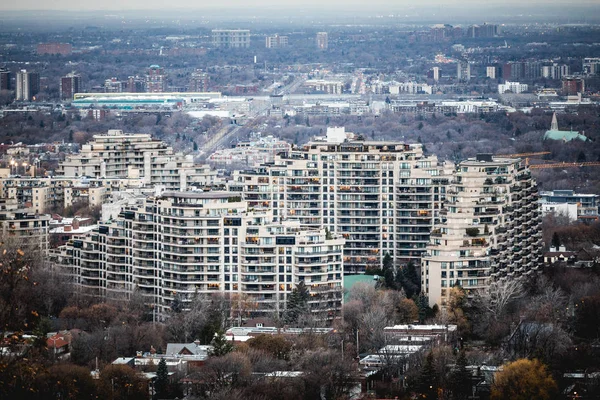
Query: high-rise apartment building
[
  {"x": 322, "y": 40},
  {"x": 156, "y": 79},
  {"x": 24, "y": 225},
  {"x": 491, "y": 229},
  {"x": 571, "y": 85},
  {"x": 27, "y": 85},
  {"x": 276, "y": 41},
  {"x": 383, "y": 197},
  {"x": 491, "y": 71},
  {"x": 199, "y": 82},
  {"x": 129, "y": 155},
  {"x": 5, "y": 79},
  {"x": 437, "y": 73},
  {"x": 231, "y": 38},
  {"x": 463, "y": 71},
  {"x": 591, "y": 66},
  {"x": 179, "y": 245},
  {"x": 113, "y": 85},
  {"x": 69, "y": 85},
  {"x": 136, "y": 84}
]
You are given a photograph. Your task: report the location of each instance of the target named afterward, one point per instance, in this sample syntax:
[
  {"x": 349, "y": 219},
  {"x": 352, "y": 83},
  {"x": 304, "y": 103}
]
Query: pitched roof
[{"x": 566, "y": 136}]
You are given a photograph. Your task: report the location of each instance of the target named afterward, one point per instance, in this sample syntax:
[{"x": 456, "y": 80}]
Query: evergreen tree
[
  {"x": 162, "y": 380},
  {"x": 220, "y": 345},
  {"x": 555, "y": 240},
  {"x": 297, "y": 303},
  {"x": 460, "y": 379},
  {"x": 426, "y": 385},
  {"x": 388, "y": 272}
]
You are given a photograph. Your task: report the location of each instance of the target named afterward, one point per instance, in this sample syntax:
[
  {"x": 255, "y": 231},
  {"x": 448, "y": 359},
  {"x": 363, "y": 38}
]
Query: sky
[{"x": 364, "y": 5}]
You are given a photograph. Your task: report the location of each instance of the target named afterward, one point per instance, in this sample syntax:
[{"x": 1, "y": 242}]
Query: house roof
[
  {"x": 56, "y": 342},
  {"x": 186, "y": 349}
]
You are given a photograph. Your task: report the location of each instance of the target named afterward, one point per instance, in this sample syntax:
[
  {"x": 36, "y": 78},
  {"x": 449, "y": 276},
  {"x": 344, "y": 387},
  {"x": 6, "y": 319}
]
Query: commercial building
[
  {"x": 490, "y": 230},
  {"x": 383, "y": 197},
  {"x": 69, "y": 85},
  {"x": 276, "y": 41},
  {"x": 322, "y": 40},
  {"x": 231, "y": 38},
  {"x": 180, "y": 245},
  {"x": 156, "y": 79},
  {"x": 27, "y": 85}
]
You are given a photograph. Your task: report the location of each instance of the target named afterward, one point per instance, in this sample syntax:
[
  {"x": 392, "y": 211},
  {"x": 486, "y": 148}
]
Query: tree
[
  {"x": 122, "y": 382},
  {"x": 66, "y": 382},
  {"x": 427, "y": 381},
  {"x": 162, "y": 379},
  {"x": 277, "y": 346},
  {"x": 523, "y": 380},
  {"x": 220, "y": 345},
  {"x": 460, "y": 379},
  {"x": 297, "y": 304},
  {"x": 555, "y": 240}
]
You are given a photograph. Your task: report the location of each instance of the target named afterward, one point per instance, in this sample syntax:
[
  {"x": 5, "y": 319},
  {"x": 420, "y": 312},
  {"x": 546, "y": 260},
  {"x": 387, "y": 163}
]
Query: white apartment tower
[
  {"x": 179, "y": 245},
  {"x": 491, "y": 230},
  {"x": 383, "y": 197}
]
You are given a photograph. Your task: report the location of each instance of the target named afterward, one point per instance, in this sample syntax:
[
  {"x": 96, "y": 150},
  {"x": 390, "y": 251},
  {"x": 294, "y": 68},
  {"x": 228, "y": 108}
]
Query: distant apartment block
[
  {"x": 136, "y": 156},
  {"x": 178, "y": 245},
  {"x": 54, "y": 48},
  {"x": 325, "y": 86},
  {"x": 231, "y": 38},
  {"x": 437, "y": 73},
  {"x": 69, "y": 85},
  {"x": 512, "y": 87},
  {"x": 322, "y": 40},
  {"x": 136, "y": 84},
  {"x": 24, "y": 225},
  {"x": 555, "y": 71},
  {"x": 571, "y": 85},
  {"x": 587, "y": 204},
  {"x": 463, "y": 71},
  {"x": 491, "y": 72},
  {"x": 199, "y": 82},
  {"x": 490, "y": 229},
  {"x": 276, "y": 42},
  {"x": 27, "y": 85},
  {"x": 483, "y": 31},
  {"x": 5, "y": 79},
  {"x": 256, "y": 151},
  {"x": 113, "y": 85},
  {"x": 591, "y": 65},
  {"x": 382, "y": 197},
  {"x": 156, "y": 79}
]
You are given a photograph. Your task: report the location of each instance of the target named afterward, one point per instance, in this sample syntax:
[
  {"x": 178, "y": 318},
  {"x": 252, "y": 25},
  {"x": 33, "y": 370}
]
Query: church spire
[{"x": 554, "y": 125}]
